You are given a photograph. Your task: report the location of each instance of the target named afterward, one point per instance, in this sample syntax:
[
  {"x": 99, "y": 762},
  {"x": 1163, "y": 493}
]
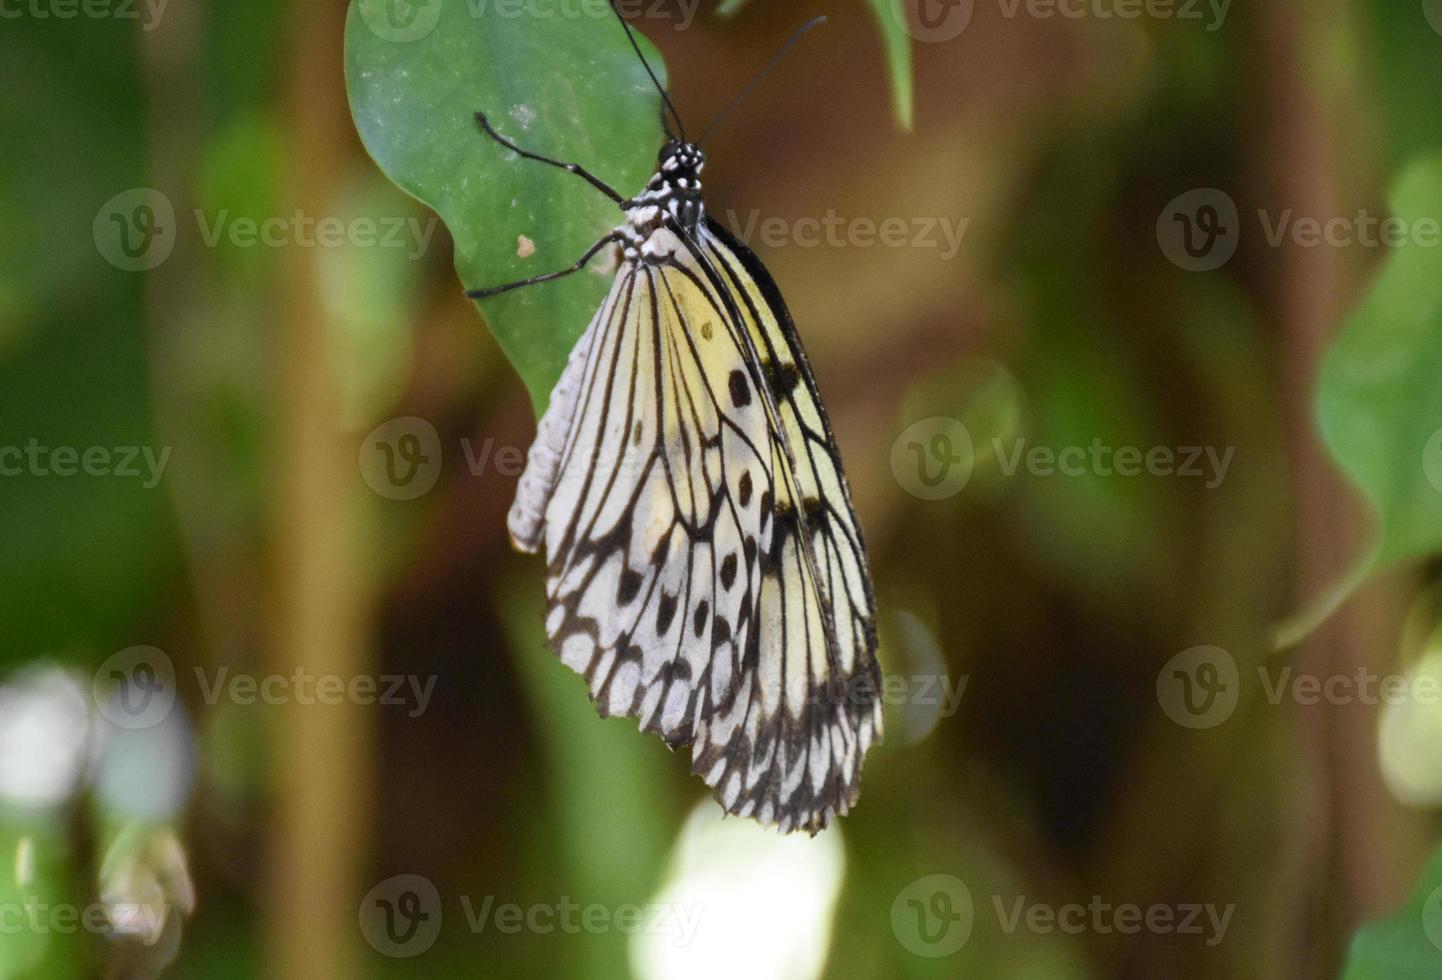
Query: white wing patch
[{"x": 706, "y": 573}]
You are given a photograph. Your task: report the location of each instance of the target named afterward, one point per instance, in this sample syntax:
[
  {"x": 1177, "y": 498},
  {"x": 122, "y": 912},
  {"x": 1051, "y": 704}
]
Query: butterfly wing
[
  {"x": 684, "y": 582},
  {"x": 817, "y": 564}
]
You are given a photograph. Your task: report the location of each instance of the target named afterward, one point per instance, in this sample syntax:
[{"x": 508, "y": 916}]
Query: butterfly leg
[
  {"x": 574, "y": 168},
  {"x": 580, "y": 264}
]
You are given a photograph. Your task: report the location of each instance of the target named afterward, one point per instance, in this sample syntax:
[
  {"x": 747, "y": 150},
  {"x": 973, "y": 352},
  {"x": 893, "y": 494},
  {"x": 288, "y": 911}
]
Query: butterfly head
[
  {"x": 680, "y": 160},
  {"x": 673, "y": 195}
]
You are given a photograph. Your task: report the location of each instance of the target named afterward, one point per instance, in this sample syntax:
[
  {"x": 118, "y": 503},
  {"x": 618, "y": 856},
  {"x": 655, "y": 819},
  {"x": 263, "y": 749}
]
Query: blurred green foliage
[{"x": 1379, "y": 399}]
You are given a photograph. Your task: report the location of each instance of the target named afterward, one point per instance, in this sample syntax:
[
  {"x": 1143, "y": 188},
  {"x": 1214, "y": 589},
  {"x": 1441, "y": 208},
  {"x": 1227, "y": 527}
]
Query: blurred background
[{"x": 274, "y": 698}]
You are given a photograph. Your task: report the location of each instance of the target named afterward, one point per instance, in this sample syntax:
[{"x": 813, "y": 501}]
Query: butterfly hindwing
[{"x": 650, "y": 507}]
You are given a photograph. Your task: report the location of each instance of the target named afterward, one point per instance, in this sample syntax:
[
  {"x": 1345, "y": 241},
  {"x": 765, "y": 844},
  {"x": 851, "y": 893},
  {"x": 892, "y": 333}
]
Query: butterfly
[{"x": 706, "y": 571}]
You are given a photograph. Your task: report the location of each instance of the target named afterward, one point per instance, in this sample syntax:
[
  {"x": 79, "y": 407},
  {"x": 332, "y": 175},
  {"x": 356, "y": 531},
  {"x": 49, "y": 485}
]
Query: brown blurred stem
[
  {"x": 321, "y": 806},
  {"x": 1337, "y": 868}
]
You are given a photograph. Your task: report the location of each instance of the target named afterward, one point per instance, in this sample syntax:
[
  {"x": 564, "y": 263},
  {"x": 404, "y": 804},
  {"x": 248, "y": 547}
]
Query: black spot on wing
[
  {"x": 629, "y": 585},
  {"x": 782, "y": 378},
  {"x": 740, "y": 389},
  {"x": 665, "y": 613},
  {"x": 728, "y": 571},
  {"x": 703, "y": 609}
]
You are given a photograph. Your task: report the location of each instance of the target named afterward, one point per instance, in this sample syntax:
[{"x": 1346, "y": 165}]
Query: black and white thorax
[{"x": 670, "y": 204}]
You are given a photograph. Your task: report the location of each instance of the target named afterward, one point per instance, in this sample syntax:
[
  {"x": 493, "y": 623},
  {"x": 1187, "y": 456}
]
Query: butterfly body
[{"x": 672, "y": 199}]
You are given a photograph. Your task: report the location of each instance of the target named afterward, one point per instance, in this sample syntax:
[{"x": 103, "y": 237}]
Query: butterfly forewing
[
  {"x": 706, "y": 570},
  {"x": 822, "y": 652}
]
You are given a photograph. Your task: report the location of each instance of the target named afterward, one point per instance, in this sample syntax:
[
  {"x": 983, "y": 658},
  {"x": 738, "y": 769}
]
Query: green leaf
[
  {"x": 891, "y": 21},
  {"x": 1379, "y": 401},
  {"x": 1406, "y": 945},
  {"x": 568, "y": 88}
]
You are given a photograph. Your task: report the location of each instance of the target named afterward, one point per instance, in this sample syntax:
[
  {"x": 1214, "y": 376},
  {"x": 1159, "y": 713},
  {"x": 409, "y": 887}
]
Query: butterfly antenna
[
  {"x": 656, "y": 81},
  {"x": 800, "y": 31}
]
